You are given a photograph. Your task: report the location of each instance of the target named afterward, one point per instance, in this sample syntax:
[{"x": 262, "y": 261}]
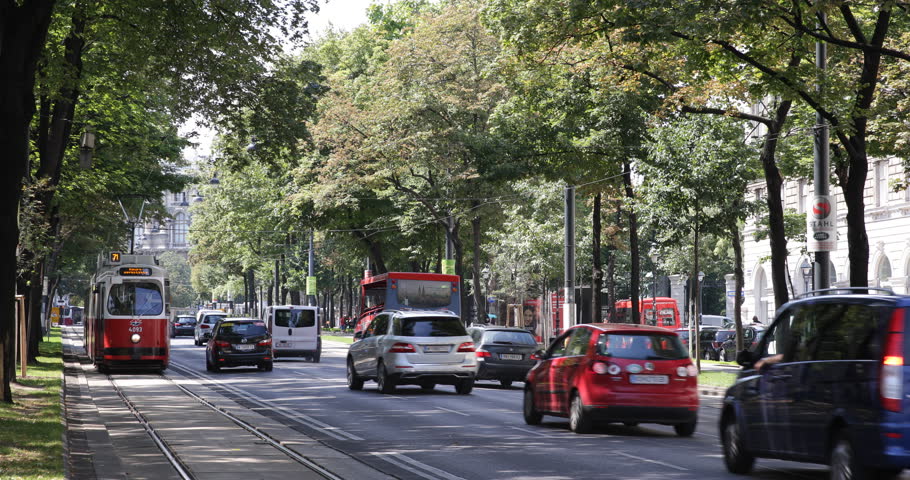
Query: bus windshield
[
  {"x": 419, "y": 294},
  {"x": 135, "y": 298}
]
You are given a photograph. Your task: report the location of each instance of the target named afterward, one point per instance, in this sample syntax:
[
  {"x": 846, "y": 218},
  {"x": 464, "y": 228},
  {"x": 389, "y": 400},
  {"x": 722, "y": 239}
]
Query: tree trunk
[
  {"x": 633, "y": 243},
  {"x": 773, "y": 180},
  {"x": 857, "y": 238},
  {"x": 597, "y": 275},
  {"x": 23, "y": 30},
  {"x": 374, "y": 250},
  {"x": 736, "y": 239},
  {"x": 479, "y": 294}
]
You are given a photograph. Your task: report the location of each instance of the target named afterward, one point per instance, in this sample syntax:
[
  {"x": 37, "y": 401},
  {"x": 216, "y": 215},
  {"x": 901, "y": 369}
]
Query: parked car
[
  {"x": 503, "y": 353},
  {"x": 413, "y": 347},
  {"x": 205, "y": 322},
  {"x": 183, "y": 325},
  {"x": 239, "y": 342},
  {"x": 751, "y": 336},
  {"x": 710, "y": 344},
  {"x": 827, "y": 383},
  {"x": 606, "y": 372}
]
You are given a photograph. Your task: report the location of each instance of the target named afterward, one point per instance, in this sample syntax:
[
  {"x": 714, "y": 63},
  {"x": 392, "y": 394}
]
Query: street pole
[
  {"x": 311, "y": 259},
  {"x": 568, "y": 311},
  {"x": 821, "y": 159}
]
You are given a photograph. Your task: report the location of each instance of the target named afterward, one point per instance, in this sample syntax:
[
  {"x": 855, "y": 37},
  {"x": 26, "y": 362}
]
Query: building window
[
  {"x": 801, "y": 195},
  {"x": 180, "y": 228},
  {"x": 881, "y": 183},
  {"x": 884, "y": 272}
]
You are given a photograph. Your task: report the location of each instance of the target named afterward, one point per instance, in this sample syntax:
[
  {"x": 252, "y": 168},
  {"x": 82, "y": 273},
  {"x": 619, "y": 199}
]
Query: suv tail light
[
  {"x": 222, "y": 344},
  {"x": 466, "y": 347},
  {"x": 481, "y": 353},
  {"x": 204, "y": 325},
  {"x": 892, "y": 378},
  {"x": 265, "y": 343},
  {"x": 402, "y": 347}
]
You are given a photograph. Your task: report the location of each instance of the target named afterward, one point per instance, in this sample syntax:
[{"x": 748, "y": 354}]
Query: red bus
[
  {"x": 666, "y": 316},
  {"x": 127, "y": 316},
  {"x": 407, "y": 291}
]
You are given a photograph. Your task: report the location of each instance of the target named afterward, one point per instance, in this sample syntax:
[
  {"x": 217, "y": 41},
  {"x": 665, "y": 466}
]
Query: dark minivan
[{"x": 825, "y": 384}]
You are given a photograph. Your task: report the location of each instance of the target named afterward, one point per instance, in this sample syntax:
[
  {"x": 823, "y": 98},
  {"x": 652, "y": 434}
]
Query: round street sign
[{"x": 821, "y": 225}]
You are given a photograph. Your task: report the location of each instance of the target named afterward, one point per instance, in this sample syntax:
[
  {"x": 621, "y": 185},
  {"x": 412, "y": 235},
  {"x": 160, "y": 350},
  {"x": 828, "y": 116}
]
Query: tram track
[{"x": 171, "y": 454}]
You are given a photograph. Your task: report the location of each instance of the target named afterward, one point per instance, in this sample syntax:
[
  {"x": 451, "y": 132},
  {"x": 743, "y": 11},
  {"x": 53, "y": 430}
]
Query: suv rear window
[
  {"x": 429, "y": 327},
  {"x": 212, "y": 318},
  {"x": 653, "y": 346},
  {"x": 246, "y": 329},
  {"x": 509, "y": 338}
]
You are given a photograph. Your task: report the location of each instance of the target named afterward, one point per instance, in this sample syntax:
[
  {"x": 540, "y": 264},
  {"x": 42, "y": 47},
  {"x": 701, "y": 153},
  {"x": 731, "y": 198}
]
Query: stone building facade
[{"x": 887, "y": 225}]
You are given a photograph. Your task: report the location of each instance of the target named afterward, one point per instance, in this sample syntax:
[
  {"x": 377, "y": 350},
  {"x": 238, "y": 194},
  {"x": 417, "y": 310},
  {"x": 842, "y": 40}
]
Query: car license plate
[
  {"x": 436, "y": 349},
  {"x": 510, "y": 356},
  {"x": 649, "y": 379},
  {"x": 244, "y": 348}
]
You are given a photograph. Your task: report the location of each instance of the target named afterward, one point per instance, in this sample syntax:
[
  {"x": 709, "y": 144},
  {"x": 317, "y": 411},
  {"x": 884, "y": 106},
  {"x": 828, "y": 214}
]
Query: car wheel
[
  {"x": 386, "y": 384},
  {"x": 706, "y": 355},
  {"x": 685, "y": 429},
  {"x": 736, "y": 458},
  {"x": 579, "y": 421},
  {"x": 846, "y": 466},
  {"x": 355, "y": 382},
  {"x": 208, "y": 364},
  {"x": 427, "y": 386},
  {"x": 464, "y": 387},
  {"x": 505, "y": 383},
  {"x": 265, "y": 367},
  {"x": 316, "y": 357},
  {"x": 532, "y": 416}
]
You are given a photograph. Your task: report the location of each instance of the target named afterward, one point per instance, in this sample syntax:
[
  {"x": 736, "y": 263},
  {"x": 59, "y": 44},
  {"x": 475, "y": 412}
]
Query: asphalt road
[{"x": 441, "y": 435}]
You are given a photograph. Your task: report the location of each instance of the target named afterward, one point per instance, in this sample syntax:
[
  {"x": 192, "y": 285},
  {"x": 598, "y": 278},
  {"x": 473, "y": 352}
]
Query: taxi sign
[
  {"x": 115, "y": 257},
  {"x": 136, "y": 272}
]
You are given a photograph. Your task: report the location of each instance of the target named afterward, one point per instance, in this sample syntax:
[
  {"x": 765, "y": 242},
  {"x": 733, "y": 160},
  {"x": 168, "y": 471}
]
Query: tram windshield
[{"x": 135, "y": 298}]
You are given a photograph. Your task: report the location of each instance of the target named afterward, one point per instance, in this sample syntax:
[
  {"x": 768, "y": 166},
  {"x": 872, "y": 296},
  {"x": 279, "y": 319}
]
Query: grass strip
[
  {"x": 336, "y": 338},
  {"x": 716, "y": 379},
  {"x": 31, "y": 428}
]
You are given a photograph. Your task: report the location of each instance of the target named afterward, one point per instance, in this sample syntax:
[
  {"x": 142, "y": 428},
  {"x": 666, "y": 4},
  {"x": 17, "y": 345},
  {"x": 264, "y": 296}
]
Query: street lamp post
[
  {"x": 654, "y": 258},
  {"x": 807, "y": 274},
  {"x": 698, "y": 300}
]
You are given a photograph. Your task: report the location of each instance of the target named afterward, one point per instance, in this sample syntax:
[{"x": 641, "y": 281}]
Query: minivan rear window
[
  {"x": 643, "y": 346},
  {"x": 430, "y": 327}
]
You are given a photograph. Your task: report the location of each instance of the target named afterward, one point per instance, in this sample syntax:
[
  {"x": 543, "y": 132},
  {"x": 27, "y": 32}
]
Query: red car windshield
[{"x": 641, "y": 346}]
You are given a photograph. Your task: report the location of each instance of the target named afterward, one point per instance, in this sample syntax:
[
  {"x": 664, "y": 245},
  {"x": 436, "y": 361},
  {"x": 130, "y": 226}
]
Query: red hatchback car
[{"x": 607, "y": 372}]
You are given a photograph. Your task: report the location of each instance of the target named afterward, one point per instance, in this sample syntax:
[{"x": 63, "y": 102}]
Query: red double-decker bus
[
  {"x": 407, "y": 291},
  {"x": 654, "y": 311}
]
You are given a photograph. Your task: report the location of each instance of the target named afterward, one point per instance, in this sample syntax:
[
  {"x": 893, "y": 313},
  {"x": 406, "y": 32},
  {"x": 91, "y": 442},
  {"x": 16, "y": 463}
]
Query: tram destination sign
[{"x": 136, "y": 272}]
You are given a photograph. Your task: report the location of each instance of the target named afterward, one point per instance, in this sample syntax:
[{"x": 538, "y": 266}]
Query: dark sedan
[
  {"x": 183, "y": 325},
  {"x": 751, "y": 336},
  {"x": 504, "y": 354},
  {"x": 237, "y": 342}
]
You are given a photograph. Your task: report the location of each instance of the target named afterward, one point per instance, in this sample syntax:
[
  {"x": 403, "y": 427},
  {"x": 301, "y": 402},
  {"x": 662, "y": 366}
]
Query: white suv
[{"x": 413, "y": 347}]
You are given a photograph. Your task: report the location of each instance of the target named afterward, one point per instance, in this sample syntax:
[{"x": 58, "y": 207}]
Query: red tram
[{"x": 126, "y": 322}]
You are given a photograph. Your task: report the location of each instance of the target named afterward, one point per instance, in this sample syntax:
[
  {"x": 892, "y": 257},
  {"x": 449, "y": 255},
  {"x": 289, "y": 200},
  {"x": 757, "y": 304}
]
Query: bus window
[{"x": 424, "y": 293}]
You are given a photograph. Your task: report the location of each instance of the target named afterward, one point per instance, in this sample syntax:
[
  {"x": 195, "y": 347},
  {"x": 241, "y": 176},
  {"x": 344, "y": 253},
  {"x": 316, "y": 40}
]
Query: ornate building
[{"x": 887, "y": 225}]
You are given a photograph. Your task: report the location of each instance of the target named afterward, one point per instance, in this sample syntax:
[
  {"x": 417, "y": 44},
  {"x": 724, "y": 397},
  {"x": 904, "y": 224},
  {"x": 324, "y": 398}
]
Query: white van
[
  {"x": 295, "y": 331},
  {"x": 718, "y": 321}
]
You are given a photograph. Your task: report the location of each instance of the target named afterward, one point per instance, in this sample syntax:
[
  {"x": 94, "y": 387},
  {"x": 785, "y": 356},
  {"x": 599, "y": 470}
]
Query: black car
[
  {"x": 183, "y": 325},
  {"x": 827, "y": 383},
  {"x": 751, "y": 336},
  {"x": 710, "y": 342},
  {"x": 503, "y": 353},
  {"x": 237, "y": 342}
]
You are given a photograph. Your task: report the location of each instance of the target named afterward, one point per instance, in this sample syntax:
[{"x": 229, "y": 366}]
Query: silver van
[{"x": 295, "y": 331}]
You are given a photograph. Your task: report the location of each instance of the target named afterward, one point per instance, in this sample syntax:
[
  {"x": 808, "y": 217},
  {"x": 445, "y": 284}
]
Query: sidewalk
[{"x": 105, "y": 440}]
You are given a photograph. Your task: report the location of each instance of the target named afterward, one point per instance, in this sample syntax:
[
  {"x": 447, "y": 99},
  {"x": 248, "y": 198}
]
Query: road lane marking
[
  {"x": 656, "y": 462},
  {"x": 300, "y": 418},
  {"x": 532, "y": 432},
  {"x": 402, "y": 461},
  {"x": 454, "y": 411}
]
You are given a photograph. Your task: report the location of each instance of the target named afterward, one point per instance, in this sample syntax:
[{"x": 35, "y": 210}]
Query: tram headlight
[{"x": 135, "y": 338}]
